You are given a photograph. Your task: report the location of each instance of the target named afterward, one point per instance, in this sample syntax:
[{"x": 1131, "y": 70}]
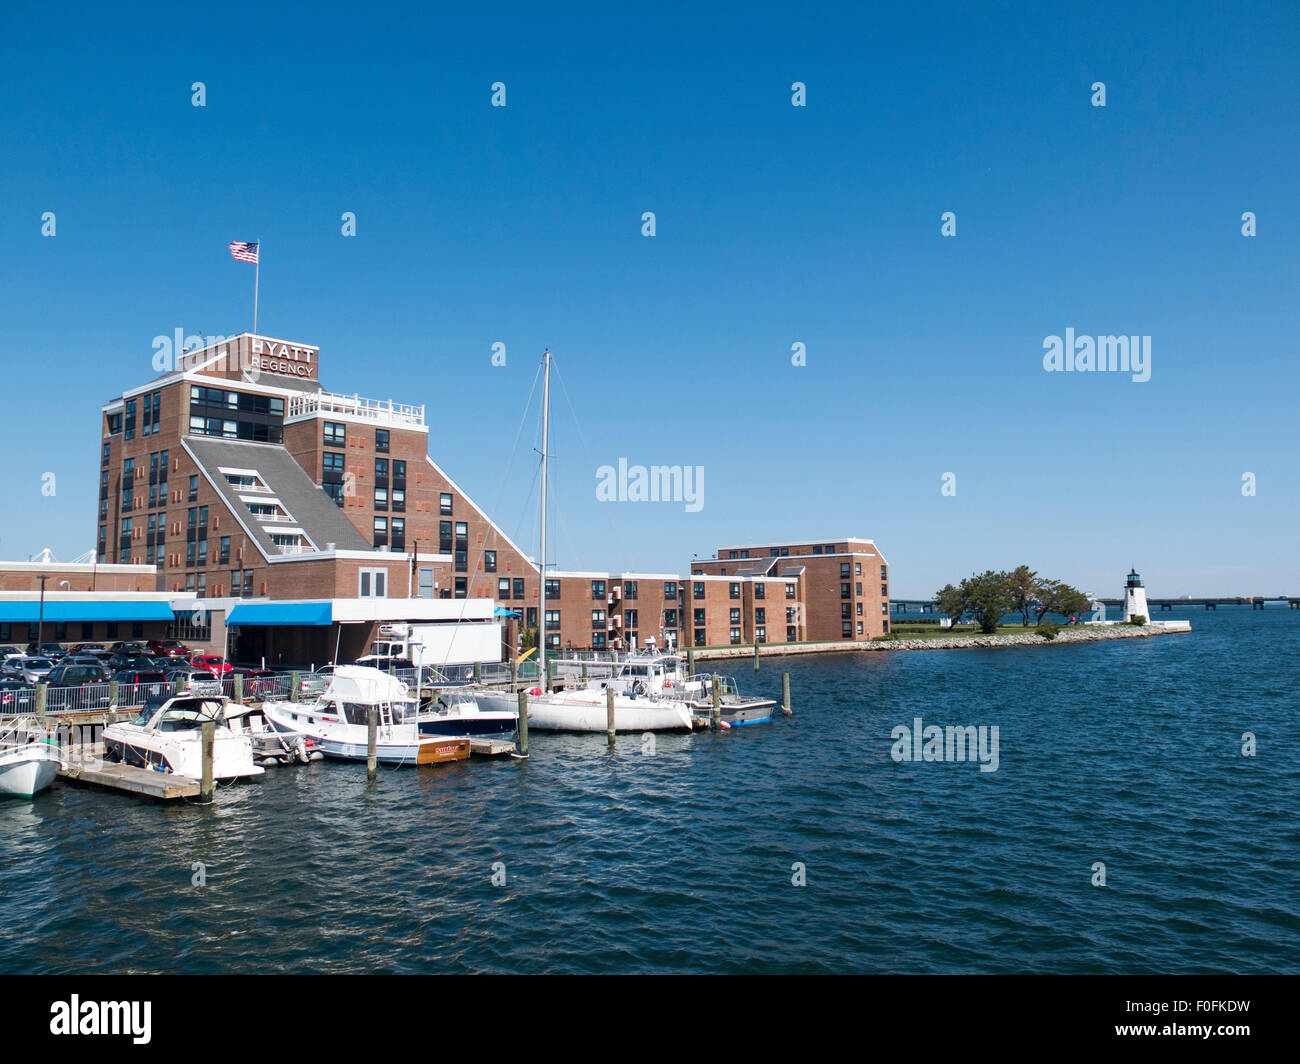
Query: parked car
[
  {"x": 128, "y": 647},
  {"x": 83, "y": 659},
  {"x": 53, "y": 651},
  {"x": 34, "y": 670},
  {"x": 132, "y": 661},
  {"x": 195, "y": 681},
  {"x": 260, "y": 684},
  {"x": 214, "y": 663},
  {"x": 11, "y": 666},
  {"x": 98, "y": 649},
  {"x": 65, "y": 674},
  {"x": 136, "y": 686},
  {"x": 16, "y": 697},
  {"x": 167, "y": 648}
]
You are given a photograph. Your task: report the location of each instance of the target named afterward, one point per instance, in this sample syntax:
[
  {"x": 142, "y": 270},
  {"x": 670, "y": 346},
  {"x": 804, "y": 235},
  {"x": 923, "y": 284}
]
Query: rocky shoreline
[{"x": 1030, "y": 637}]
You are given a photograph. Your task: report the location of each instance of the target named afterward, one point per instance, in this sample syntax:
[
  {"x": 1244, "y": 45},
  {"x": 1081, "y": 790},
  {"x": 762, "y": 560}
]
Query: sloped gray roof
[{"x": 313, "y": 511}]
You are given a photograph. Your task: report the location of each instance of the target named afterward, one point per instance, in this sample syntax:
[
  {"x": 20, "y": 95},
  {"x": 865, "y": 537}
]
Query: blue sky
[{"x": 775, "y": 225}]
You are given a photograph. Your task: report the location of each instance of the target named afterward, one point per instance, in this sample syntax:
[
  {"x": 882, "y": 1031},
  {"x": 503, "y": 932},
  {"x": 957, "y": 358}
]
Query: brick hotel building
[{"x": 237, "y": 476}]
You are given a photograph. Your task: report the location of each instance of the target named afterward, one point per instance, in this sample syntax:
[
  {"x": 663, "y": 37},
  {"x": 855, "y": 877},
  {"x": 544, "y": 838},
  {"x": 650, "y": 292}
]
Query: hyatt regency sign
[{"x": 288, "y": 360}]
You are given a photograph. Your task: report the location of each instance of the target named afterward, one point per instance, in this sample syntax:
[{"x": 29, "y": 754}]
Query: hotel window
[
  {"x": 859, "y": 587},
  {"x": 332, "y": 462},
  {"x": 381, "y": 531},
  {"x": 791, "y": 614},
  {"x": 553, "y": 640},
  {"x": 859, "y": 627},
  {"x": 733, "y": 591},
  {"x": 399, "y": 533},
  {"x": 630, "y": 619},
  {"x": 114, "y": 424},
  {"x": 461, "y": 586},
  {"x": 598, "y": 619},
  {"x": 785, "y": 552},
  {"x": 846, "y": 630},
  {"x": 735, "y": 635},
  {"x": 426, "y": 583},
  {"x": 203, "y": 517},
  {"x": 530, "y": 617},
  {"x": 733, "y": 554},
  {"x": 153, "y": 494},
  {"x": 399, "y": 473},
  {"x": 444, "y": 503},
  {"x": 886, "y": 624},
  {"x": 371, "y": 583},
  {"x": 817, "y": 550},
  {"x": 552, "y": 589},
  {"x": 248, "y": 584},
  {"x": 462, "y": 561},
  {"x": 760, "y": 616},
  {"x": 381, "y": 440},
  {"x": 381, "y": 470},
  {"x": 201, "y": 587},
  {"x": 149, "y": 554},
  {"x": 735, "y": 616},
  {"x": 489, "y": 561},
  {"x": 598, "y": 589},
  {"x": 234, "y": 583},
  {"x": 130, "y": 420},
  {"x": 189, "y": 581},
  {"x": 698, "y": 590},
  {"x": 103, "y": 458},
  {"x": 857, "y": 566},
  {"x": 334, "y": 491},
  {"x": 162, "y": 469},
  {"x": 760, "y": 634},
  {"x": 699, "y": 618},
  {"x": 670, "y": 589},
  {"x": 552, "y": 618},
  {"x": 670, "y": 618},
  {"x": 503, "y": 588},
  {"x": 844, "y": 570},
  {"x": 760, "y": 591},
  {"x": 336, "y": 434},
  {"x": 444, "y": 537},
  {"x": 223, "y": 551},
  {"x": 790, "y": 590},
  {"x": 519, "y": 587},
  {"x": 399, "y": 500},
  {"x": 884, "y": 608},
  {"x": 193, "y": 490},
  {"x": 845, "y": 590},
  {"x": 189, "y": 554},
  {"x": 882, "y": 573},
  {"x": 381, "y": 498},
  {"x": 744, "y": 554},
  {"x": 791, "y": 634},
  {"x": 597, "y": 640},
  {"x": 884, "y": 591},
  {"x": 859, "y": 609},
  {"x": 846, "y": 610},
  {"x": 629, "y": 589},
  {"x": 203, "y": 552},
  {"x": 191, "y": 520},
  {"x": 699, "y": 637}
]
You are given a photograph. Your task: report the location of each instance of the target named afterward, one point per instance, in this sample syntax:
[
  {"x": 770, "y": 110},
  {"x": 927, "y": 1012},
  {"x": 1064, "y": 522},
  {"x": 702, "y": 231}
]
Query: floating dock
[{"x": 89, "y": 766}]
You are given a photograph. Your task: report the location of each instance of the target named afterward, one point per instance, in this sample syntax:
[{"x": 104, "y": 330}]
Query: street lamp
[{"x": 40, "y": 622}]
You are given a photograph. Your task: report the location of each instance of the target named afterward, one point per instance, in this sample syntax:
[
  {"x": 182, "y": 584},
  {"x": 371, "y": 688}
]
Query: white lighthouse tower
[{"x": 1135, "y": 597}]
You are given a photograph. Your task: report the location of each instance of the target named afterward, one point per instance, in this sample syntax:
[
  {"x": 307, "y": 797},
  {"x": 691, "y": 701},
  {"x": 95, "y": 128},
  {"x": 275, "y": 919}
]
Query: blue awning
[
  {"x": 280, "y": 613},
  {"x": 18, "y": 612},
  {"x": 501, "y": 611}
]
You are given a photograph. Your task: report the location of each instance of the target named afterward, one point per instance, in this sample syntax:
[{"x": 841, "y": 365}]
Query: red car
[
  {"x": 217, "y": 666},
  {"x": 167, "y": 648}
]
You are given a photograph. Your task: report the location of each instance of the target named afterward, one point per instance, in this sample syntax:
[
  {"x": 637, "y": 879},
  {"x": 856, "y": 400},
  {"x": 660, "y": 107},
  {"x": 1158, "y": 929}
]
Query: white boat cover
[{"x": 359, "y": 683}]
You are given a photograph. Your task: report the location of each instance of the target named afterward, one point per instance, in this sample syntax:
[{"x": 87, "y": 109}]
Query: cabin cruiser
[
  {"x": 735, "y": 709},
  {"x": 28, "y": 762},
  {"x": 167, "y": 736},
  {"x": 338, "y": 720},
  {"x": 457, "y": 712}
]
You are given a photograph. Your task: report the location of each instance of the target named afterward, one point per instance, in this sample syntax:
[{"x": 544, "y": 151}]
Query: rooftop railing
[{"x": 380, "y": 410}]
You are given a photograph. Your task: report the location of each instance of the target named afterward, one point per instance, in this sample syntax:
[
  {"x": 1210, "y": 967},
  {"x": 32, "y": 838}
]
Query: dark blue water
[{"x": 1128, "y": 753}]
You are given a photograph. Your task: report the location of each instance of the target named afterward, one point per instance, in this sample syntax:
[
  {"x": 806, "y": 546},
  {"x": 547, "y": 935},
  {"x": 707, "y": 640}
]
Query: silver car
[{"x": 34, "y": 670}]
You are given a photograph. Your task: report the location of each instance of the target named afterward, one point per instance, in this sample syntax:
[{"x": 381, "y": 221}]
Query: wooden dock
[
  {"x": 491, "y": 747},
  {"x": 89, "y": 766}
]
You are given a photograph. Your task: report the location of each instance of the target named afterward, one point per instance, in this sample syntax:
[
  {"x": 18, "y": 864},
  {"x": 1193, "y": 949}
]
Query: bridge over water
[{"x": 1255, "y": 602}]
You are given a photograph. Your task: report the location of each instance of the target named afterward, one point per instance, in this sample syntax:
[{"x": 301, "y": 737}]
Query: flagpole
[{"x": 257, "y": 272}]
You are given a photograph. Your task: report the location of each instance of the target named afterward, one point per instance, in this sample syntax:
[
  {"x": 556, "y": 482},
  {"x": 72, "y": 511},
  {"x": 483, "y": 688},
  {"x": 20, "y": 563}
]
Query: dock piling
[
  {"x": 209, "y": 744},
  {"x": 690, "y": 663},
  {"x": 514, "y": 674},
  {"x": 717, "y": 701},
  {"x": 523, "y": 722},
  {"x": 372, "y": 737},
  {"x": 42, "y": 700},
  {"x": 294, "y": 681},
  {"x": 785, "y": 693},
  {"x": 756, "y": 655},
  {"x": 239, "y": 688},
  {"x": 609, "y": 713}
]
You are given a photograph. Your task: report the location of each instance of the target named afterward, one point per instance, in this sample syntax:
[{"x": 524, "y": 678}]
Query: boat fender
[
  {"x": 724, "y": 724},
  {"x": 534, "y": 691}
]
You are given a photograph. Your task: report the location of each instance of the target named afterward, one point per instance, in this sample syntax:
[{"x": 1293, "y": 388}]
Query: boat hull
[
  {"x": 27, "y": 770},
  {"x": 551, "y": 713},
  {"x": 484, "y": 726}
]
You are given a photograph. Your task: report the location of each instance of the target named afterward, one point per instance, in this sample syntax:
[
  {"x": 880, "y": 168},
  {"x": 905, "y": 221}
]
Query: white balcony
[{"x": 380, "y": 411}]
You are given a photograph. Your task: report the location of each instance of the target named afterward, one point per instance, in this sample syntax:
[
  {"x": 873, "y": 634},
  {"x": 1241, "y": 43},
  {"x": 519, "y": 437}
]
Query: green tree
[
  {"x": 1022, "y": 583},
  {"x": 988, "y": 599},
  {"x": 950, "y": 601},
  {"x": 1055, "y": 596}
]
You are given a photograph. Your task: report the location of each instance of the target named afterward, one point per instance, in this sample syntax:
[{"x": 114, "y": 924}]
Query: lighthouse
[{"x": 1135, "y": 597}]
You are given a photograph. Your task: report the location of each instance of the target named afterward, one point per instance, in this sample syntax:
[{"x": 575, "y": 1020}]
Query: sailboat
[{"x": 583, "y": 710}]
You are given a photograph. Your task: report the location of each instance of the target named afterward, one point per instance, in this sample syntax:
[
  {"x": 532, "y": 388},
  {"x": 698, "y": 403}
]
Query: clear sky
[{"x": 775, "y": 225}]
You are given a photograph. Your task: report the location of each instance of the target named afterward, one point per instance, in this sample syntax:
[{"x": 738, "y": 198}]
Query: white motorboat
[
  {"x": 338, "y": 721},
  {"x": 167, "y": 736},
  {"x": 457, "y": 712},
  {"x": 28, "y": 763}
]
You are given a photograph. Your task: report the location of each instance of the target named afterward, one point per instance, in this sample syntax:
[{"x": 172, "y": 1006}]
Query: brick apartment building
[{"x": 236, "y": 475}]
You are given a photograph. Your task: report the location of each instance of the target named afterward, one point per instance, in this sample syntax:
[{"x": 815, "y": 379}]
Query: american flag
[{"x": 244, "y": 251}]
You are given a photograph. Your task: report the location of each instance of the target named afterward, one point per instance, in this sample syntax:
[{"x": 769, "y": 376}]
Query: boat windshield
[
  {"x": 188, "y": 716},
  {"x": 359, "y": 712}
]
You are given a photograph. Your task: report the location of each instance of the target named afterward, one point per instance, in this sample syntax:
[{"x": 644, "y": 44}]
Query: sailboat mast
[{"x": 541, "y": 567}]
